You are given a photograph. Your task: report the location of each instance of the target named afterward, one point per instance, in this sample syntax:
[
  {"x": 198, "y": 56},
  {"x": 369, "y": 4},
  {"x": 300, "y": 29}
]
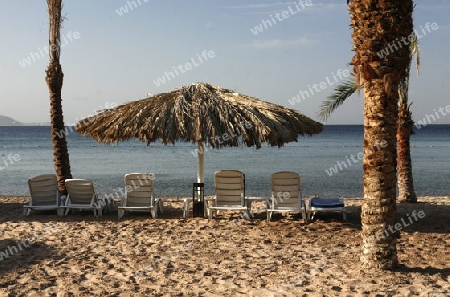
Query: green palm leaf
[{"x": 337, "y": 98}]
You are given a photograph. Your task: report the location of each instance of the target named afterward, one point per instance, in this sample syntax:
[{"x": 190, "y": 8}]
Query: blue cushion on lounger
[{"x": 326, "y": 202}]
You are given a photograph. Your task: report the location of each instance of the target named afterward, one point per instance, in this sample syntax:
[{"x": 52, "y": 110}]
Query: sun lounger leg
[
  {"x": 160, "y": 205},
  {"x": 120, "y": 213},
  {"x": 248, "y": 215},
  {"x": 210, "y": 213}
]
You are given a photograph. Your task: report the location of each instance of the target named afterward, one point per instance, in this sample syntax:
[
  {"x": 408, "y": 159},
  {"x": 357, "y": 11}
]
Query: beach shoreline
[{"x": 80, "y": 255}]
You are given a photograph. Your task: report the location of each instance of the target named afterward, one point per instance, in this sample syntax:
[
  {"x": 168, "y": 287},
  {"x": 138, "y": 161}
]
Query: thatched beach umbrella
[{"x": 203, "y": 114}]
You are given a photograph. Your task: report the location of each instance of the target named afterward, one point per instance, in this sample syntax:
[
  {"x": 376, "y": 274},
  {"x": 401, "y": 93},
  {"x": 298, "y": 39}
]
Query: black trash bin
[{"x": 198, "y": 199}]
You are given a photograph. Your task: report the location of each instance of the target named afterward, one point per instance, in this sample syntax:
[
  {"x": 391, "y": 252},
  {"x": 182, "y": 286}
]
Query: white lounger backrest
[
  {"x": 139, "y": 188},
  {"x": 44, "y": 189},
  {"x": 81, "y": 191},
  {"x": 286, "y": 190},
  {"x": 229, "y": 188}
]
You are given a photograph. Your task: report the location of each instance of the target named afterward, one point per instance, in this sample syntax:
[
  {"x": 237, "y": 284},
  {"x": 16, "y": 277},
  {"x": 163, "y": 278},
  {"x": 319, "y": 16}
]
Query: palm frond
[
  {"x": 403, "y": 87},
  {"x": 414, "y": 50},
  {"x": 337, "y": 98}
]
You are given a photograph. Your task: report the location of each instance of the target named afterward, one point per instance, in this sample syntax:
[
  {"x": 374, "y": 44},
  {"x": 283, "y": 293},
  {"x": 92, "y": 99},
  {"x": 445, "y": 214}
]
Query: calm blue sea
[{"x": 175, "y": 166}]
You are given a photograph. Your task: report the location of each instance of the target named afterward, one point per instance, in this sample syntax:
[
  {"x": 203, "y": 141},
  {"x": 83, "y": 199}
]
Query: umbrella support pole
[
  {"x": 201, "y": 163},
  {"x": 199, "y": 207}
]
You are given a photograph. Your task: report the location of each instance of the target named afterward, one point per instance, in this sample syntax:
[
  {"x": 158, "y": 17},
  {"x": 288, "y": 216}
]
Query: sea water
[{"x": 26, "y": 151}]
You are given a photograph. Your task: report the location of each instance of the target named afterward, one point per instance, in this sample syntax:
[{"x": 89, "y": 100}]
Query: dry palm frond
[{"x": 200, "y": 112}]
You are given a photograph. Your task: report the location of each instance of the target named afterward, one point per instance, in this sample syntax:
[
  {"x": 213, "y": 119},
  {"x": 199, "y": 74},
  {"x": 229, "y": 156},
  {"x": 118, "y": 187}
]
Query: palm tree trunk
[
  {"x": 54, "y": 79},
  {"x": 404, "y": 131},
  {"x": 376, "y": 25},
  {"x": 406, "y": 191},
  {"x": 379, "y": 177}
]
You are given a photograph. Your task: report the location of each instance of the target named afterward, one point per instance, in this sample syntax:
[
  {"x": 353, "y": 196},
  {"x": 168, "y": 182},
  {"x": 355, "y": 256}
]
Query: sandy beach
[{"x": 80, "y": 255}]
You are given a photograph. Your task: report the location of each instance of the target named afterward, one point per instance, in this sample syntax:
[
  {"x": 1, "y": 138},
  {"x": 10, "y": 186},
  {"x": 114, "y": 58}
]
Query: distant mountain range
[{"x": 7, "y": 121}]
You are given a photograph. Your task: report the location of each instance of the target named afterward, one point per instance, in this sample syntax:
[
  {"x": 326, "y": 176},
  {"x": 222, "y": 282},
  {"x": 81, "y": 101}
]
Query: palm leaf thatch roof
[{"x": 200, "y": 113}]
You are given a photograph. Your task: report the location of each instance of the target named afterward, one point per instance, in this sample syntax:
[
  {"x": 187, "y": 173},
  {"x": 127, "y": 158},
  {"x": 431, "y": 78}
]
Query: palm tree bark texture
[
  {"x": 405, "y": 183},
  {"x": 54, "y": 78},
  {"x": 377, "y": 24}
]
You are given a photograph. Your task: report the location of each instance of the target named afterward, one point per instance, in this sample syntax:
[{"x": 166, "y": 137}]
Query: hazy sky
[{"x": 114, "y": 51}]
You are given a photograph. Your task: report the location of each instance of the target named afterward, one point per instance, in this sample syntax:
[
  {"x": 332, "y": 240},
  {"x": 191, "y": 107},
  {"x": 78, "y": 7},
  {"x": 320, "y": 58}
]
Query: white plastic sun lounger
[
  {"x": 82, "y": 195},
  {"x": 229, "y": 192},
  {"x": 286, "y": 194},
  {"x": 44, "y": 194},
  {"x": 140, "y": 195}
]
